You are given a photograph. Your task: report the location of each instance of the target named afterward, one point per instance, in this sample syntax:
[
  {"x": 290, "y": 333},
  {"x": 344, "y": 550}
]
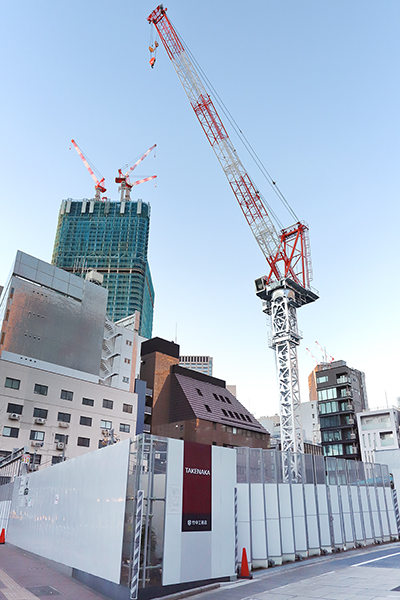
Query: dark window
[
  {"x": 12, "y": 383},
  {"x": 35, "y": 459},
  {"x": 85, "y": 421},
  {"x": 66, "y": 395},
  {"x": 248, "y": 418},
  {"x": 224, "y": 411},
  {"x": 40, "y": 389},
  {"x": 65, "y": 417},
  {"x": 124, "y": 427},
  {"x": 199, "y": 392},
  {"x": 14, "y": 408},
  {"x": 227, "y": 399},
  {"x": 108, "y": 403},
  {"x": 56, "y": 459},
  {"x": 214, "y": 425},
  {"x": 208, "y": 409},
  {"x": 40, "y": 413},
  {"x": 237, "y": 415},
  {"x": 88, "y": 401},
  {"x": 127, "y": 408},
  {"x": 83, "y": 442},
  {"x": 242, "y": 417},
  {"x": 231, "y": 414},
  {"x": 222, "y": 398},
  {"x": 61, "y": 437},
  {"x": 37, "y": 435},
  {"x": 11, "y": 432},
  {"x": 216, "y": 397}
]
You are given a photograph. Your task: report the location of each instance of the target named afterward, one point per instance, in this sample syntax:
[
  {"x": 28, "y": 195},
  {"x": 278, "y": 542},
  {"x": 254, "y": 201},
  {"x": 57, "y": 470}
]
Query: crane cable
[{"x": 243, "y": 139}]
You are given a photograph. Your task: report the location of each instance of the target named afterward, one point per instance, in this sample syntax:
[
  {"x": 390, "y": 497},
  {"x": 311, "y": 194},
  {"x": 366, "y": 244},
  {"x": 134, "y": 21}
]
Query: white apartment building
[
  {"x": 378, "y": 430},
  {"x": 67, "y": 373},
  {"x": 202, "y": 364}
]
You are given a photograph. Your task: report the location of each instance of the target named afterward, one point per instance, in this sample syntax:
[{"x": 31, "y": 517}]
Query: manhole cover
[{"x": 44, "y": 590}]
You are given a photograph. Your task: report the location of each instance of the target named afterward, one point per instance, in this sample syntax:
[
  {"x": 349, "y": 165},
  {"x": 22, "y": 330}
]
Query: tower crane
[
  {"x": 125, "y": 185},
  {"x": 99, "y": 187},
  {"x": 286, "y": 286}
]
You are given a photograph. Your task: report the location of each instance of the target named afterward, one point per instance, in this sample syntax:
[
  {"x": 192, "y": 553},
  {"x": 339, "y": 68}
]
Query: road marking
[{"x": 375, "y": 559}]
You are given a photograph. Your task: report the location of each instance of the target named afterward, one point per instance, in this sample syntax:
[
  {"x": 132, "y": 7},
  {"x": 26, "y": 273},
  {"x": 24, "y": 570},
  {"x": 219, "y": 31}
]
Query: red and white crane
[
  {"x": 287, "y": 284},
  {"x": 99, "y": 187},
  {"x": 125, "y": 185}
]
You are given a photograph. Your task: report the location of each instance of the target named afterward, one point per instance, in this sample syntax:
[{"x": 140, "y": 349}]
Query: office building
[
  {"x": 67, "y": 374},
  {"x": 378, "y": 430},
  {"x": 340, "y": 394},
  {"x": 191, "y": 406},
  {"x": 202, "y": 364},
  {"x": 111, "y": 238}
]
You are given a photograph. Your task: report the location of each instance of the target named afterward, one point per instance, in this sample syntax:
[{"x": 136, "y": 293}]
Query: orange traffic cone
[
  {"x": 3, "y": 536},
  {"x": 244, "y": 569}
]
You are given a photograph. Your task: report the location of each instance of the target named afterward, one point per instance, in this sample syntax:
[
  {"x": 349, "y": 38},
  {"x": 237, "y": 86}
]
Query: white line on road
[{"x": 375, "y": 559}]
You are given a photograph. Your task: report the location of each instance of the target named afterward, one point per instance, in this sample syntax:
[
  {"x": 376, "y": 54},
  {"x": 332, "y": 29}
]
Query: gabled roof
[{"x": 212, "y": 402}]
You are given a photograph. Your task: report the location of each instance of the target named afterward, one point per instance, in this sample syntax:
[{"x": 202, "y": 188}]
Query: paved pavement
[
  {"x": 26, "y": 577},
  {"x": 366, "y": 574}
]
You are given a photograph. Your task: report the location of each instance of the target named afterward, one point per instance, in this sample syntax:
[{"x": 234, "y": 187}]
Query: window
[
  {"x": 332, "y": 436},
  {"x": 200, "y": 393},
  {"x": 40, "y": 389},
  {"x": 216, "y": 397},
  {"x": 124, "y": 427},
  {"x": 108, "y": 403},
  {"x": 37, "y": 435},
  {"x": 11, "y": 432},
  {"x": 227, "y": 399},
  {"x": 327, "y": 394},
  {"x": 12, "y": 383},
  {"x": 66, "y": 395},
  {"x": 328, "y": 407},
  {"x": 231, "y": 414},
  {"x": 224, "y": 411},
  {"x": 330, "y": 421},
  {"x": 208, "y": 409},
  {"x": 248, "y": 418},
  {"x": 127, "y": 361},
  {"x": 83, "y": 442},
  {"x": 386, "y": 438},
  {"x": 322, "y": 379},
  {"x": 128, "y": 343},
  {"x": 88, "y": 401},
  {"x": 105, "y": 424},
  {"x": 56, "y": 459},
  {"x": 85, "y": 421},
  {"x": 237, "y": 415},
  {"x": 65, "y": 417},
  {"x": 333, "y": 450},
  {"x": 61, "y": 437},
  {"x": 14, "y": 408},
  {"x": 40, "y": 413},
  {"x": 125, "y": 379},
  {"x": 127, "y": 408}
]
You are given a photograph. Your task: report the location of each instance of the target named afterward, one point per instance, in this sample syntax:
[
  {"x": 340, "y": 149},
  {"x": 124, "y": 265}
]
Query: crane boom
[
  {"x": 99, "y": 187},
  {"x": 287, "y": 252}
]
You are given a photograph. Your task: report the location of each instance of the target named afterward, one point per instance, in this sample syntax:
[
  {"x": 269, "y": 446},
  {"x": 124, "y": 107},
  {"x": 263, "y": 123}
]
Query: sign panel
[{"x": 196, "y": 502}]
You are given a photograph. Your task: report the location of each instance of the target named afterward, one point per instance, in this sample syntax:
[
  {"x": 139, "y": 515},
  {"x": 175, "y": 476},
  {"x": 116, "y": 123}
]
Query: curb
[{"x": 191, "y": 592}]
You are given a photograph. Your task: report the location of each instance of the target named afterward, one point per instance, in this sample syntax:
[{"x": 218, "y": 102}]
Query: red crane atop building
[
  {"x": 125, "y": 185},
  {"x": 287, "y": 251},
  {"x": 99, "y": 187}
]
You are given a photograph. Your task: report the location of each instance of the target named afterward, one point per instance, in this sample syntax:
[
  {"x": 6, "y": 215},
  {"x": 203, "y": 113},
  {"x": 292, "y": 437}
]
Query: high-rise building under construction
[{"x": 111, "y": 238}]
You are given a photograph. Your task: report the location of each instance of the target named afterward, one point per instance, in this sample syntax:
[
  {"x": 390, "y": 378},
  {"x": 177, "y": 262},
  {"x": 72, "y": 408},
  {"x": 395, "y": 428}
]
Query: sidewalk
[{"x": 27, "y": 577}]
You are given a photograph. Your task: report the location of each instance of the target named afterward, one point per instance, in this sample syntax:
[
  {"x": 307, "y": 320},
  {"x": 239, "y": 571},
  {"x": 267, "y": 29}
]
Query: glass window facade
[{"x": 115, "y": 244}]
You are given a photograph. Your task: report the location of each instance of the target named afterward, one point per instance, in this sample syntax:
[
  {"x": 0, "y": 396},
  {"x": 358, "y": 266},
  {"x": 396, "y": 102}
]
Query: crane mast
[{"x": 287, "y": 284}]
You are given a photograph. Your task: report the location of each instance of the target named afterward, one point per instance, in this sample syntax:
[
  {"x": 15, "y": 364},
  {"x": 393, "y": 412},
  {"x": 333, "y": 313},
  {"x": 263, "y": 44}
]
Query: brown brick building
[{"x": 191, "y": 406}]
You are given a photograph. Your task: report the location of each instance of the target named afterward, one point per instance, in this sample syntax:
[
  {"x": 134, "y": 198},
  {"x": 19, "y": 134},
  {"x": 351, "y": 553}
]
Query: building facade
[
  {"x": 192, "y": 406},
  {"x": 112, "y": 238},
  {"x": 202, "y": 364},
  {"x": 67, "y": 374},
  {"x": 378, "y": 430},
  {"x": 340, "y": 394}
]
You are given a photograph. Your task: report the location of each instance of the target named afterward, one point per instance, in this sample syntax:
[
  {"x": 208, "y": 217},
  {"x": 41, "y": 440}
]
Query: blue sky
[{"x": 313, "y": 85}]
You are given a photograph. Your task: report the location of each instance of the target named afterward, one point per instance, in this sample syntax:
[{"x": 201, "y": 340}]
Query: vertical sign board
[{"x": 196, "y": 502}]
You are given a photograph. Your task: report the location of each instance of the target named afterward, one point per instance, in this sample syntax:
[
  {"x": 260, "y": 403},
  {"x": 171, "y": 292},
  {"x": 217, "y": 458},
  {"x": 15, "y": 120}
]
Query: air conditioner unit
[
  {"x": 40, "y": 421},
  {"x": 60, "y": 445},
  {"x": 37, "y": 444},
  {"x": 63, "y": 424},
  {"x": 351, "y": 421},
  {"x": 14, "y": 417},
  {"x": 33, "y": 467}
]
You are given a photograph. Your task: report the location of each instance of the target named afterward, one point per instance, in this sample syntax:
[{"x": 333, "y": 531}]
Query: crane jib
[{"x": 287, "y": 252}]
